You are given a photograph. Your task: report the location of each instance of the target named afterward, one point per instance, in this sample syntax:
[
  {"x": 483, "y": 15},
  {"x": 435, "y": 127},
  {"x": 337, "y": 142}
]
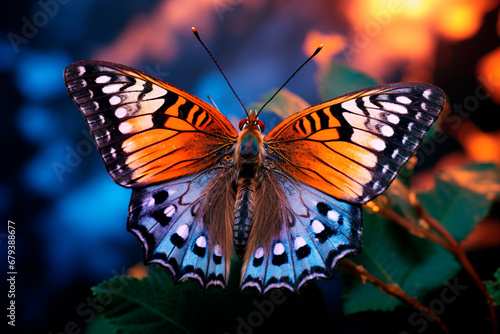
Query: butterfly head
[
  {"x": 252, "y": 122},
  {"x": 250, "y": 142}
]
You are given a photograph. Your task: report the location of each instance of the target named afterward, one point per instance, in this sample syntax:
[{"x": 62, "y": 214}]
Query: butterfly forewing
[
  {"x": 147, "y": 130},
  {"x": 352, "y": 147}
]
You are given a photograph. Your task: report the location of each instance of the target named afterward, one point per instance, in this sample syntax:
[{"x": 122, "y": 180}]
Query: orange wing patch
[{"x": 326, "y": 166}]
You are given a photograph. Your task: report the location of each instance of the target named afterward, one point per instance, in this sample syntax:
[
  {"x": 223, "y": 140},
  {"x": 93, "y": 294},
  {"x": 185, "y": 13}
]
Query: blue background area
[{"x": 70, "y": 217}]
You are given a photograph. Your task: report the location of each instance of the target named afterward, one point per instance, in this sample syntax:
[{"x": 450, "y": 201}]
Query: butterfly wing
[
  {"x": 174, "y": 150},
  {"x": 169, "y": 220},
  {"x": 353, "y": 146},
  {"x": 348, "y": 149},
  {"x": 317, "y": 231},
  {"x": 146, "y": 130}
]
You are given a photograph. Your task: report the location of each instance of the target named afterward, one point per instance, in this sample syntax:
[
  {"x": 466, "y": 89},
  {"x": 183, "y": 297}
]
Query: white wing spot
[
  {"x": 378, "y": 144},
  {"x": 423, "y": 105},
  {"x": 394, "y": 119},
  {"x": 107, "y": 135},
  {"x": 403, "y": 99},
  {"x": 317, "y": 226},
  {"x": 109, "y": 89},
  {"x": 113, "y": 153},
  {"x": 183, "y": 231},
  {"x": 299, "y": 242},
  {"x": 81, "y": 70},
  {"x": 217, "y": 250},
  {"x": 394, "y": 107},
  {"x": 426, "y": 93},
  {"x": 333, "y": 215},
  {"x": 125, "y": 127},
  {"x": 387, "y": 130},
  {"x": 114, "y": 100},
  {"x": 259, "y": 253},
  {"x": 385, "y": 168},
  {"x": 169, "y": 211},
  {"x": 279, "y": 249},
  {"x": 201, "y": 242},
  {"x": 120, "y": 112},
  {"x": 410, "y": 126},
  {"x": 102, "y": 79},
  {"x": 405, "y": 138},
  {"x": 395, "y": 153},
  {"x": 102, "y": 119}
]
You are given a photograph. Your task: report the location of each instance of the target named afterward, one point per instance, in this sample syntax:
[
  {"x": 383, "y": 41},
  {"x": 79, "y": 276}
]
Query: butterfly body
[{"x": 288, "y": 203}]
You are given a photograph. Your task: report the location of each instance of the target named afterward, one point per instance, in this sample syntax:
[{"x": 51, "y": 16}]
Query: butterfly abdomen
[{"x": 243, "y": 212}]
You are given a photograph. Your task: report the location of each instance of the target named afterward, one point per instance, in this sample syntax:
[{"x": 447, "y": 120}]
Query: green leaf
[
  {"x": 155, "y": 305},
  {"x": 395, "y": 256},
  {"x": 462, "y": 196},
  {"x": 99, "y": 326},
  {"x": 338, "y": 79},
  {"x": 416, "y": 265},
  {"x": 493, "y": 288}
]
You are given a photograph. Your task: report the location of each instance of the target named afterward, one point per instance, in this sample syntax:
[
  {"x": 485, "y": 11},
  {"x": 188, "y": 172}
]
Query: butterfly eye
[
  {"x": 242, "y": 123},
  {"x": 262, "y": 126}
]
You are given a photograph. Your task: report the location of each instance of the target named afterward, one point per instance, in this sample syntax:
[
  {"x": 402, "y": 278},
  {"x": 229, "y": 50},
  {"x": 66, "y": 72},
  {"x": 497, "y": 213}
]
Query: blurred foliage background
[{"x": 70, "y": 217}]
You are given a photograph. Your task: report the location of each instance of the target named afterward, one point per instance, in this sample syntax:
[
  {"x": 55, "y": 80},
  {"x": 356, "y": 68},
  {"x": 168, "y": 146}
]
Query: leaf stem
[{"x": 391, "y": 289}]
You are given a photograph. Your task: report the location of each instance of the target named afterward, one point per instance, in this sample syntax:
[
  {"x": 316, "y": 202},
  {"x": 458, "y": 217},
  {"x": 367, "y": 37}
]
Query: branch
[
  {"x": 391, "y": 289},
  {"x": 460, "y": 255},
  {"x": 414, "y": 229}
]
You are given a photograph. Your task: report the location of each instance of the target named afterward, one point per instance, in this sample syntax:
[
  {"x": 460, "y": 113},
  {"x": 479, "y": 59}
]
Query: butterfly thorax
[{"x": 249, "y": 154}]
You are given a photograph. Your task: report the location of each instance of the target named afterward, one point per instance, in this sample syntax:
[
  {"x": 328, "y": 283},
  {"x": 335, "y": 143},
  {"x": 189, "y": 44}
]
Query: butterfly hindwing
[
  {"x": 352, "y": 147},
  {"x": 169, "y": 220},
  {"x": 317, "y": 231},
  {"x": 146, "y": 130}
]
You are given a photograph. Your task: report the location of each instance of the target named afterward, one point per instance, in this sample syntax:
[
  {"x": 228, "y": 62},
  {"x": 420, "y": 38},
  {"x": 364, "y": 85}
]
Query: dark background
[{"x": 70, "y": 217}]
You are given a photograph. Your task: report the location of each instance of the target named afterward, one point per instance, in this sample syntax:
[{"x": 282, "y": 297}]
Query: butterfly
[{"x": 288, "y": 203}]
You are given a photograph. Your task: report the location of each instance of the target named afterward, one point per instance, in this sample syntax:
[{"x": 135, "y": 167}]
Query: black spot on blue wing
[
  {"x": 303, "y": 252},
  {"x": 278, "y": 260},
  {"x": 257, "y": 261},
  {"x": 161, "y": 218},
  {"x": 323, "y": 208},
  {"x": 160, "y": 197},
  {"x": 177, "y": 240},
  {"x": 341, "y": 220},
  {"x": 217, "y": 259},
  {"x": 200, "y": 251}
]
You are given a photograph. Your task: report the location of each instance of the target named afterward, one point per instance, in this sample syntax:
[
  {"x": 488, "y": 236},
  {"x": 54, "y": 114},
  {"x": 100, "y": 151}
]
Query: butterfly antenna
[
  {"x": 318, "y": 49},
  {"x": 213, "y": 102},
  {"x": 220, "y": 69}
]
